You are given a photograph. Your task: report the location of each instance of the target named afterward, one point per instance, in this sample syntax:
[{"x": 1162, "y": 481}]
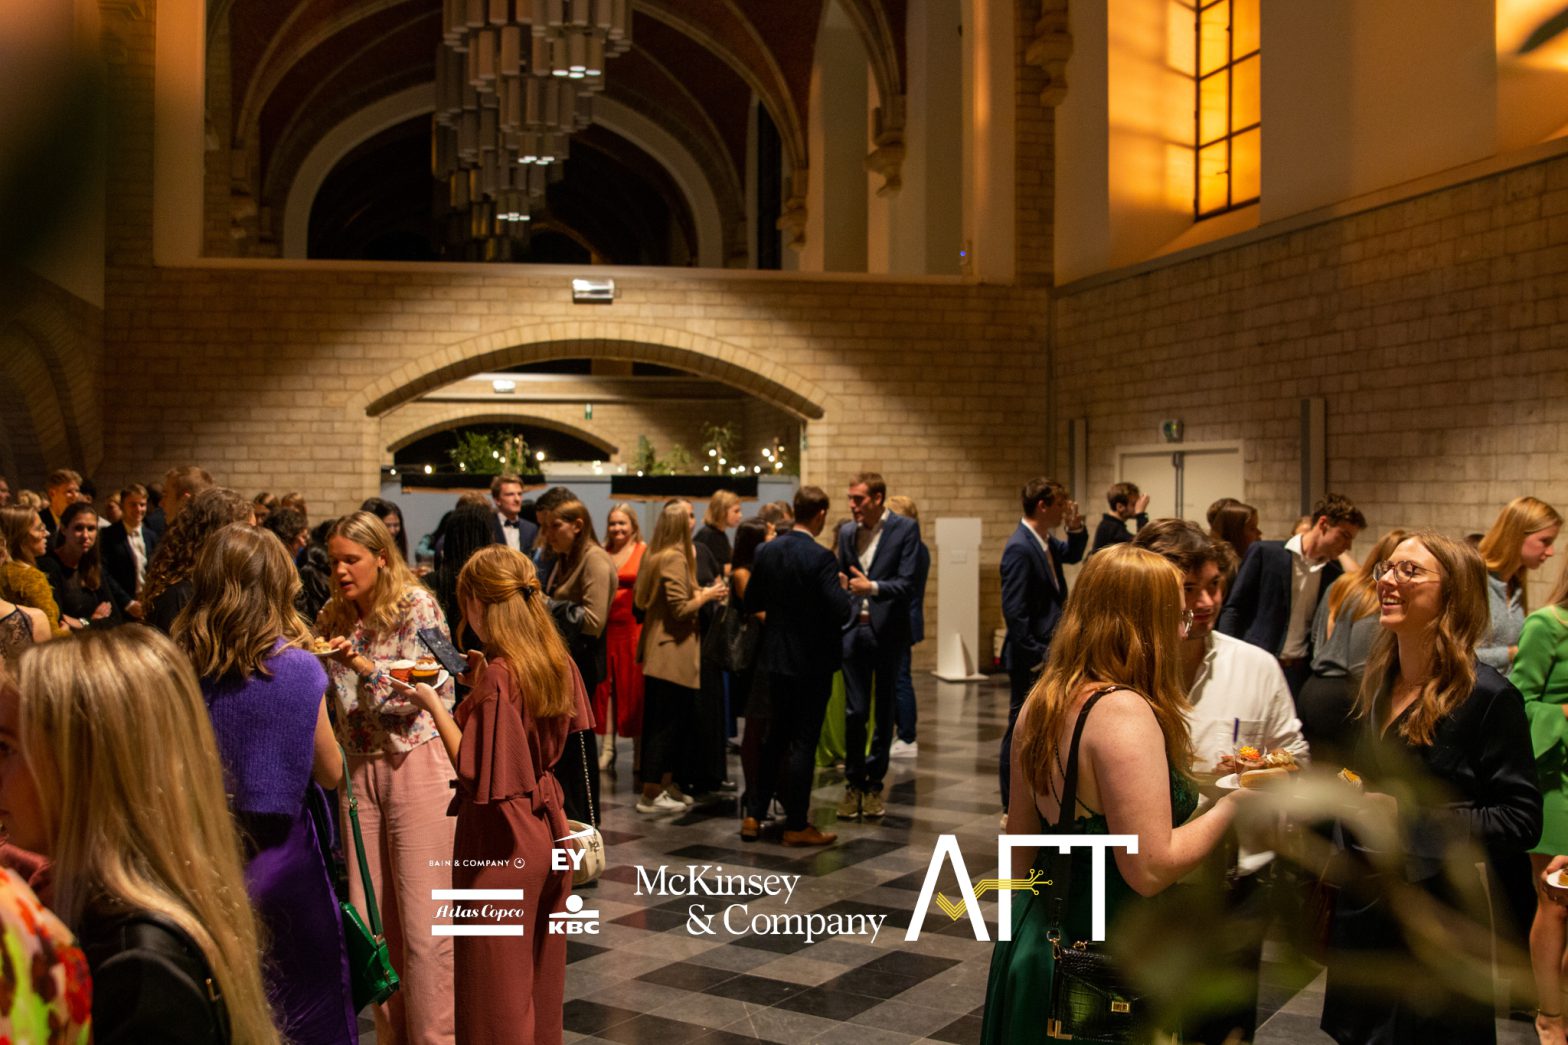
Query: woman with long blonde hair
[
  {"x": 1540, "y": 673},
  {"x": 504, "y": 741},
  {"x": 1342, "y": 634},
  {"x": 266, "y": 698},
  {"x": 26, "y": 541},
  {"x": 111, "y": 770},
  {"x": 1116, "y": 653},
  {"x": 669, "y": 651},
  {"x": 1445, "y": 745},
  {"x": 617, "y": 703},
  {"x": 1520, "y": 540},
  {"x": 402, "y": 781}
]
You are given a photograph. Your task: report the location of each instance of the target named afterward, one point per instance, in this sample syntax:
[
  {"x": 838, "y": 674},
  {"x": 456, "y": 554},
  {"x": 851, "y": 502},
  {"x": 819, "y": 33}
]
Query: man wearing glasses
[
  {"x": 1276, "y": 594},
  {"x": 1238, "y": 698}
]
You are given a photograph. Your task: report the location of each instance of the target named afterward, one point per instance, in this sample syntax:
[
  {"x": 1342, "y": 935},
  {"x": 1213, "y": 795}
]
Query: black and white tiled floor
[{"x": 646, "y": 977}]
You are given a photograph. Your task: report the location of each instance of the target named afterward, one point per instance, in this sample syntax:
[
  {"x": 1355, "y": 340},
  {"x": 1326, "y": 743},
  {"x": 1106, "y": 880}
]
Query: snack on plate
[
  {"x": 318, "y": 644},
  {"x": 426, "y": 670},
  {"x": 1254, "y": 779},
  {"x": 1353, "y": 779},
  {"x": 1248, "y": 759},
  {"x": 401, "y": 670}
]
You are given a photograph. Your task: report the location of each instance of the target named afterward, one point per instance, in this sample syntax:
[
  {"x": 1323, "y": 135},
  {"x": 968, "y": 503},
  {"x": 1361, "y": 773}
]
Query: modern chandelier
[{"x": 514, "y": 80}]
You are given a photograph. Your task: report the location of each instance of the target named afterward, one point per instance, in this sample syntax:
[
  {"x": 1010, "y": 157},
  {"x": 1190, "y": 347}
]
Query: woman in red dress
[
  {"x": 504, "y": 742},
  {"x": 617, "y": 702}
]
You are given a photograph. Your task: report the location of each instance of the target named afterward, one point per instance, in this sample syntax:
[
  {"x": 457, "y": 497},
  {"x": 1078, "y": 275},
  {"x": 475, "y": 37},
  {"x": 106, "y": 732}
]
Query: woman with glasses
[
  {"x": 1519, "y": 541},
  {"x": 1540, "y": 672},
  {"x": 1342, "y": 634},
  {"x": 1103, "y": 724},
  {"x": 1444, "y": 755}
]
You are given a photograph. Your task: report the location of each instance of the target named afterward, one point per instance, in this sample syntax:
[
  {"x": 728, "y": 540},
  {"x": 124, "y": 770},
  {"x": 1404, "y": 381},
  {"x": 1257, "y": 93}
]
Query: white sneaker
[
  {"x": 904, "y": 749},
  {"x": 663, "y": 803},
  {"x": 675, "y": 794}
]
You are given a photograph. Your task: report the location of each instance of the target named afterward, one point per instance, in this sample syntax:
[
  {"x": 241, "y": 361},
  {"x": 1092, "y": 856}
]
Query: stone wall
[{"x": 1434, "y": 328}]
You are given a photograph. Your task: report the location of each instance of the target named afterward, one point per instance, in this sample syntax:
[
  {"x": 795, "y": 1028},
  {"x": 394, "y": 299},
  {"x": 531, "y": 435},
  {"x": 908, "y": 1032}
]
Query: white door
[{"x": 1182, "y": 480}]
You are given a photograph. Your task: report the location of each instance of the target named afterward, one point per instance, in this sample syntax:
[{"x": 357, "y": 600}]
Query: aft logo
[
  {"x": 574, "y": 920},
  {"x": 947, "y": 850}
]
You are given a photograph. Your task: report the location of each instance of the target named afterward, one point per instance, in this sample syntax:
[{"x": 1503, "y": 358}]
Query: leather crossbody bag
[{"x": 1090, "y": 1000}]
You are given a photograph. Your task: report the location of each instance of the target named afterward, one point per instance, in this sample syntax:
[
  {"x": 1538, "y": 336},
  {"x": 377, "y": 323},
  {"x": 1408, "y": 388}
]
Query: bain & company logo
[{"x": 947, "y": 850}]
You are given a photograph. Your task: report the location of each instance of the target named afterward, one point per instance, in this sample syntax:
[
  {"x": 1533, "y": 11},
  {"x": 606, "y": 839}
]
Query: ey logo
[
  {"x": 574, "y": 920},
  {"x": 947, "y": 851}
]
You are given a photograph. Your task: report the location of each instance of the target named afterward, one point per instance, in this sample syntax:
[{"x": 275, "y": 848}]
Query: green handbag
[{"x": 370, "y": 971}]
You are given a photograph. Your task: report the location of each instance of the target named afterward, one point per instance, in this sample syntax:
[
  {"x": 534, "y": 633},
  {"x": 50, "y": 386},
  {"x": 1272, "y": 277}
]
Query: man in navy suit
[
  {"x": 507, "y": 526},
  {"x": 906, "y": 715},
  {"x": 795, "y": 585},
  {"x": 1034, "y": 590},
  {"x": 127, "y": 545},
  {"x": 878, "y": 554},
  {"x": 1276, "y": 594}
]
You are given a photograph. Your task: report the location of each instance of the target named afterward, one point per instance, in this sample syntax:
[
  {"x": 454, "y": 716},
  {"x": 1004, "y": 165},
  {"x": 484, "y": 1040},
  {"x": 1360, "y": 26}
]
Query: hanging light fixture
[{"x": 514, "y": 80}]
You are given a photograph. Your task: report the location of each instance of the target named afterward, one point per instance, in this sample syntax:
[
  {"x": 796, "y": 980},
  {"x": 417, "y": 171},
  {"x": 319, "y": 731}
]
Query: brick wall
[{"x": 1434, "y": 327}]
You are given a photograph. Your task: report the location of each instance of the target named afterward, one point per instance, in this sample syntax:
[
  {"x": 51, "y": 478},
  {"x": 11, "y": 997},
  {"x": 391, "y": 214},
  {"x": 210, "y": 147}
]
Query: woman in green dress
[
  {"x": 1115, "y": 652},
  {"x": 1540, "y": 673}
]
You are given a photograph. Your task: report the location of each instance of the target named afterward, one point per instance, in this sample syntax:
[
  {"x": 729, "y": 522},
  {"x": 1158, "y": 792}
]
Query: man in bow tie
[{"x": 509, "y": 527}]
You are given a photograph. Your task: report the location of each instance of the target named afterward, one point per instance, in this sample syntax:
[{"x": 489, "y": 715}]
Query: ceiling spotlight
[
  {"x": 593, "y": 291},
  {"x": 503, "y": 386},
  {"x": 539, "y": 455},
  {"x": 429, "y": 469}
]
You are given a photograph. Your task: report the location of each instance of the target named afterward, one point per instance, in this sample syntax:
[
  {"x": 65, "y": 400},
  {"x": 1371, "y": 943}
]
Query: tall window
[{"x": 1228, "y": 137}]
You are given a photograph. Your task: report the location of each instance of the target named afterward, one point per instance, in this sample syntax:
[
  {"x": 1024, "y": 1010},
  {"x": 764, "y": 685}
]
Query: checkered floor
[{"x": 645, "y": 977}]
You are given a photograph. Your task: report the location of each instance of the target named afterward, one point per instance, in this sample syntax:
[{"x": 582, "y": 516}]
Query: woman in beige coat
[{"x": 669, "y": 651}]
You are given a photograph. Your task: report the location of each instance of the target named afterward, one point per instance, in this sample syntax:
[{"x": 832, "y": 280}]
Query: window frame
[{"x": 1231, "y": 132}]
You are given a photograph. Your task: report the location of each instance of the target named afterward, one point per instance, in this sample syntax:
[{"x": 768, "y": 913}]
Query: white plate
[
  {"x": 1228, "y": 782},
  {"x": 1558, "y": 880},
  {"x": 327, "y": 654},
  {"x": 403, "y": 707}
]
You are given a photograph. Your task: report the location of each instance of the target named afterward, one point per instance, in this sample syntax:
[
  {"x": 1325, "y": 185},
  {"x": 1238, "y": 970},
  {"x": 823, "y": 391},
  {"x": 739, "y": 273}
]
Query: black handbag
[
  {"x": 731, "y": 641},
  {"x": 1091, "y": 1001}
]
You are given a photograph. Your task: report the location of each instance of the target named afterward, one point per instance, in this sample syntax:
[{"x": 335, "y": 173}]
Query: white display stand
[{"x": 958, "y": 600}]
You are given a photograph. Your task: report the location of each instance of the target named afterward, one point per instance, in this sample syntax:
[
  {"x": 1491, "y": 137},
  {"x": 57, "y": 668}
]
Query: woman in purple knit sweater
[{"x": 265, "y": 696}]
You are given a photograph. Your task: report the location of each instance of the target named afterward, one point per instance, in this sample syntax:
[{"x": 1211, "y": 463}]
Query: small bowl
[{"x": 1557, "y": 885}]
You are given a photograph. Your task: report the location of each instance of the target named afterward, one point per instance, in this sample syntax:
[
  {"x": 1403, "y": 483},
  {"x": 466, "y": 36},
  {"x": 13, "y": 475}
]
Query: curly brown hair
[{"x": 209, "y": 511}]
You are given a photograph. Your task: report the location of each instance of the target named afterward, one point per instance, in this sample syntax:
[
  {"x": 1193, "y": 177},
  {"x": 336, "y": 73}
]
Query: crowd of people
[{"x": 237, "y": 688}]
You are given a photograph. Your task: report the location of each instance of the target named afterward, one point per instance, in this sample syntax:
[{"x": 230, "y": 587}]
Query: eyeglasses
[
  {"x": 1404, "y": 571},
  {"x": 1186, "y": 623}
]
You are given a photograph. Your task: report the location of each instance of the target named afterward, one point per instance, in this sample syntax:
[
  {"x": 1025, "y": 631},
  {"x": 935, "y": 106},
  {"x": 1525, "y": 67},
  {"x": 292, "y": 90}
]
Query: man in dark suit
[
  {"x": 795, "y": 584},
  {"x": 507, "y": 524},
  {"x": 878, "y": 553},
  {"x": 1034, "y": 590},
  {"x": 1276, "y": 594},
  {"x": 127, "y": 545},
  {"x": 1126, "y": 503}
]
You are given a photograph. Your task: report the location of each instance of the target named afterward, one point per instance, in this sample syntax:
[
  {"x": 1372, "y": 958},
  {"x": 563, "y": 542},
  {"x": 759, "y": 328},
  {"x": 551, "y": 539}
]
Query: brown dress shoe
[
  {"x": 809, "y": 835},
  {"x": 750, "y": 830}
]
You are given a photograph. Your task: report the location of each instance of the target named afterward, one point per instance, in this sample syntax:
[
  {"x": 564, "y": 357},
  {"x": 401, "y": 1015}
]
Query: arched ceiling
[{"x": 298, "y": 68}]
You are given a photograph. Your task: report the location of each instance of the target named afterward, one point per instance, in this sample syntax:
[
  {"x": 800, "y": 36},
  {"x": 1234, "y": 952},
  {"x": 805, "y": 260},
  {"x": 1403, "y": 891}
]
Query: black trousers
[
  {"x": 869, "y": 667},
  {"x": 666, "y": 713},
  {"x": 789, "y": 752},
  {"x": 1020, "y": 681}
]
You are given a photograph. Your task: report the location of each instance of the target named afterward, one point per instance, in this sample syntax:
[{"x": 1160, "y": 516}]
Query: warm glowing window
[{"x": 1227, "y": 132}]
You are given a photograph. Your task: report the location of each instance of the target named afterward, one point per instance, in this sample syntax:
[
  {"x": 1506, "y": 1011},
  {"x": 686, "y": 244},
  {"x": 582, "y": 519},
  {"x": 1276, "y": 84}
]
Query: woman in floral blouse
[
  {"x": 43, "y": 980},
  {"x": 402, "y": 781}
]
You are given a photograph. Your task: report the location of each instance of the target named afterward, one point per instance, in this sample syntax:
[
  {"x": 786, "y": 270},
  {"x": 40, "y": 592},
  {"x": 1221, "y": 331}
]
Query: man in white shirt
[
  {"x": 1239, "y": 697},
  {"x": 1276, "y": 593}
]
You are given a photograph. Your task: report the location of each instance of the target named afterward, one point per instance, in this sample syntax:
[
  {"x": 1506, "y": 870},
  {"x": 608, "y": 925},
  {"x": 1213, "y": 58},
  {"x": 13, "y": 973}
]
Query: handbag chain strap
[
  {"x": 371, "y": 907},
  {"x": 593, "y": 814},
  {"x": 1064, "y": 819}
]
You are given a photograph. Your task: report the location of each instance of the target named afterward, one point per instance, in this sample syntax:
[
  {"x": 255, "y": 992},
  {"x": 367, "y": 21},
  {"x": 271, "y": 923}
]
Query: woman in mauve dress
[
  {"x": 267, "y": 700},
  {"x": 505, "y": 740}
]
